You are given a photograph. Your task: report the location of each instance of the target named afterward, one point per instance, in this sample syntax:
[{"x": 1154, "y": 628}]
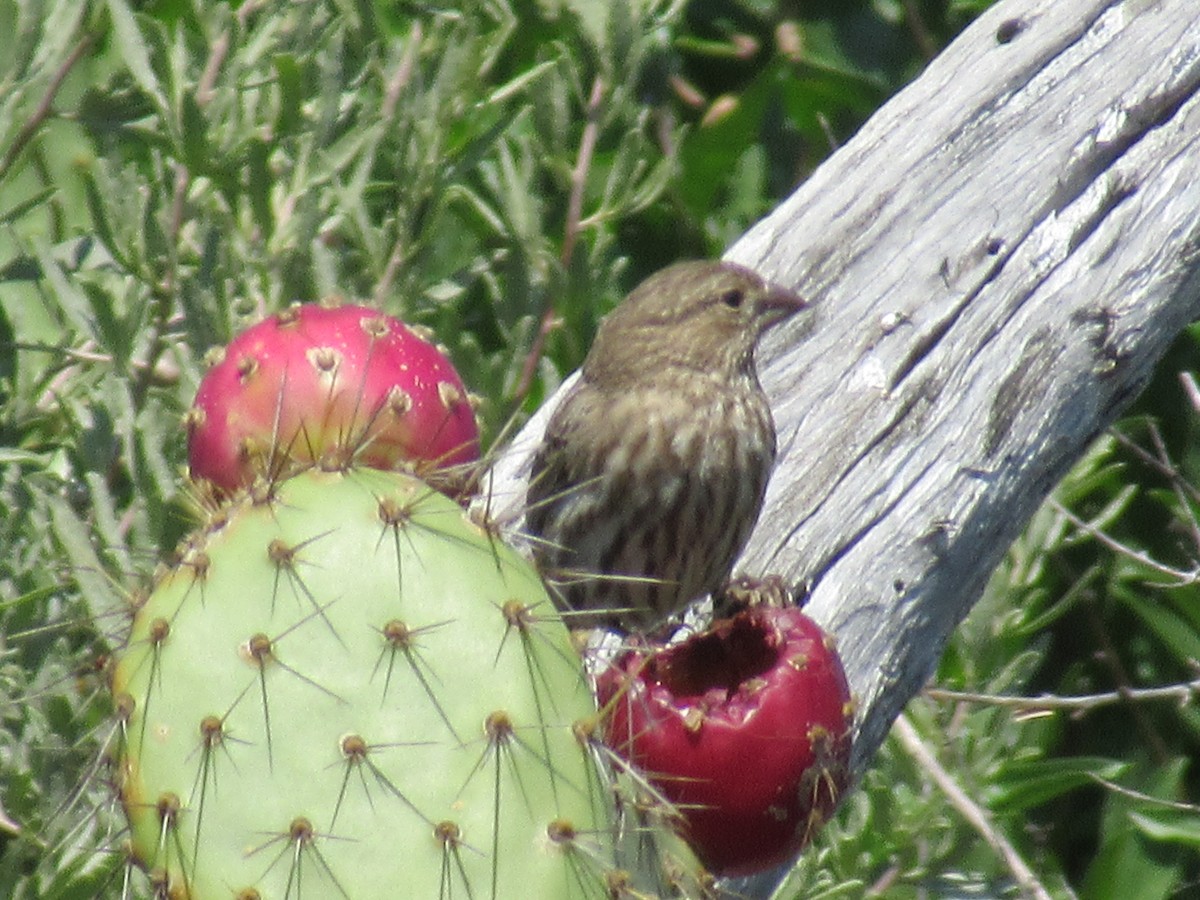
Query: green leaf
[
  {"x": 14, "y": 213},
  {"x": 593, "y": 16},
  {"x": 521, "y": 83},
  {"x": 101, "y": 213},
  {"x": 1172, "y": 826},
  {"x": 101, "y": 596},
  {"x": 134, "y": 51},
  {"x": 1023, "y": 785},
  {"x": 116, "y": 333},
  {"x": 1037, "y": 621},
  {"x": 14, "y": 457},
  {"x": 1172, "y": 629},
  {"x": 70, "y": 299},
  {"x": 198, "y": 154},
  {"x": 8, "y": 355},
  {"x": 1130, "y": 862},
  {"x": 35, "y": 596},
  {"x": 289, "y": 84}
]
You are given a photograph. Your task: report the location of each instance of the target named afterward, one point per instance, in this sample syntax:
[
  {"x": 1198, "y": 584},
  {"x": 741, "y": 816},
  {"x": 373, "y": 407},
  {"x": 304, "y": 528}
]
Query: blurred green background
[{"x": 503, "y": 172}]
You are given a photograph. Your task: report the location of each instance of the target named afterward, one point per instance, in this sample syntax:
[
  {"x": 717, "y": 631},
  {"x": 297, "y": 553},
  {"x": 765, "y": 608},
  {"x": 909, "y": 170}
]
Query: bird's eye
[{"x": 733, "y": 299}]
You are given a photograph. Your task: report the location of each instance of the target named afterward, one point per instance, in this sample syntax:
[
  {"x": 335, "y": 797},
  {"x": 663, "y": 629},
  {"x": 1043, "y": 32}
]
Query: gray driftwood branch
[{"x": 997, "y": 260}]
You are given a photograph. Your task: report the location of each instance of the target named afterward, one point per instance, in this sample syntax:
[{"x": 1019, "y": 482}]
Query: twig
[
  {"x": 1078, "y": 703},
  {"x": 164, "y": 293},
  {"x": 884, "y": 882},
  {"x": 1183, "y": 578},
  {"x": 1144, "y": 798},
  {"x": 29, "y": 129},
  {"x": 583, "y": 163},
  {"x": 163, "y": 373},
  {"x": 218, "y": 52},
  {"x": 208, "y": 78},
  {"x": 919, "y": 30},
  {"x": 402, "y": 76},
  {"x": 1185, "y": 492},
  {"x": 974, "y": 814},
  {"x": 1188, "y": 380},
  {"x": 7, "y": 825},
  {"x": 387, "y": 112},
  {"x": 1110, "y": 657},
  {"x": 827, "y": 130},
  {"x": 1161, "y": 463}
]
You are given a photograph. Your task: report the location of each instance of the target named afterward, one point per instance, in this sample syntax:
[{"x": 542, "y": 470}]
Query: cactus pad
[{"x": 349, "y": 690}]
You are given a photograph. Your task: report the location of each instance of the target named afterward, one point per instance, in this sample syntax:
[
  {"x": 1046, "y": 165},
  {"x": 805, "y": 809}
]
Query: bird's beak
[{"x": 779, "y": 304}]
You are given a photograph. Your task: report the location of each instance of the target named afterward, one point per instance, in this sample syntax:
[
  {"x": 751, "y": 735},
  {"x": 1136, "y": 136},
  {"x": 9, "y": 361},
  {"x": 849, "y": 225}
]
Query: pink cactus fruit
[{"x": 330, "y": 386}]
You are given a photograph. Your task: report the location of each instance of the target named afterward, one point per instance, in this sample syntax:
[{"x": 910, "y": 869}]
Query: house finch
[{"x": 652, "y": 470}]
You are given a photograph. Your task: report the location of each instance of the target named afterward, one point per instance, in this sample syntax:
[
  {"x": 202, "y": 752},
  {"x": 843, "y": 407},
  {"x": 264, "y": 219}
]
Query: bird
[{"x": 652, "y": 470}]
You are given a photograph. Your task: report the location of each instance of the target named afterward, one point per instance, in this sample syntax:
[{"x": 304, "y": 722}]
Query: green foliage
[{"x": 503, "y": 171}]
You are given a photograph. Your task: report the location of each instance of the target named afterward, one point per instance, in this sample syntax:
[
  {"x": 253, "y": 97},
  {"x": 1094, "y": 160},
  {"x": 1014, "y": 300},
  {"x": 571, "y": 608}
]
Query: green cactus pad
[{"x": 349, "y": 690}]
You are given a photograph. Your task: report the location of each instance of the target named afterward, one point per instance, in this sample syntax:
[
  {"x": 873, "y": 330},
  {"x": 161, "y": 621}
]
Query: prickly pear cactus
[{"x": 347, "y": 689}]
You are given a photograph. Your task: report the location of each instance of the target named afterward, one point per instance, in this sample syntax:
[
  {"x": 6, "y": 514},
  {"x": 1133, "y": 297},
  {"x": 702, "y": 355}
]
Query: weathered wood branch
[{"x": 997, "y": 260}]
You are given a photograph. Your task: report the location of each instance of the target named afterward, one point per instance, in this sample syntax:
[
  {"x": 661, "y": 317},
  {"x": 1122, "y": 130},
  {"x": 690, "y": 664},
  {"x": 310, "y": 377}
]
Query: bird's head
[{"x": 701, "y": 315}]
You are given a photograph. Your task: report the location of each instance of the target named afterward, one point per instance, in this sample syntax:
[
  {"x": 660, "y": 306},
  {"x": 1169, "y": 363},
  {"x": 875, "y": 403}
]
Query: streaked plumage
[{"x": 652, "y": 470}]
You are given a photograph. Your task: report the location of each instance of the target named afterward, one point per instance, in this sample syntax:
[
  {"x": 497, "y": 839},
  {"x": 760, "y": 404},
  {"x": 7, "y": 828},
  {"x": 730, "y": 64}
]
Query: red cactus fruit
[
  {"x": 744, "y": 728},
  {"x": 329, "y": 386}
]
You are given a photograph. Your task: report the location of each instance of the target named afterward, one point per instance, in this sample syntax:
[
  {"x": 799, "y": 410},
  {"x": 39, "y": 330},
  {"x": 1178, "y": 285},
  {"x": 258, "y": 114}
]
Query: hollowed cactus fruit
[{"x": 348, "y": 690}]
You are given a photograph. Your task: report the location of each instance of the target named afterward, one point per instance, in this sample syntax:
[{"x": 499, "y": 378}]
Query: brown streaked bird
[{"x": 652, "y": 470}]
